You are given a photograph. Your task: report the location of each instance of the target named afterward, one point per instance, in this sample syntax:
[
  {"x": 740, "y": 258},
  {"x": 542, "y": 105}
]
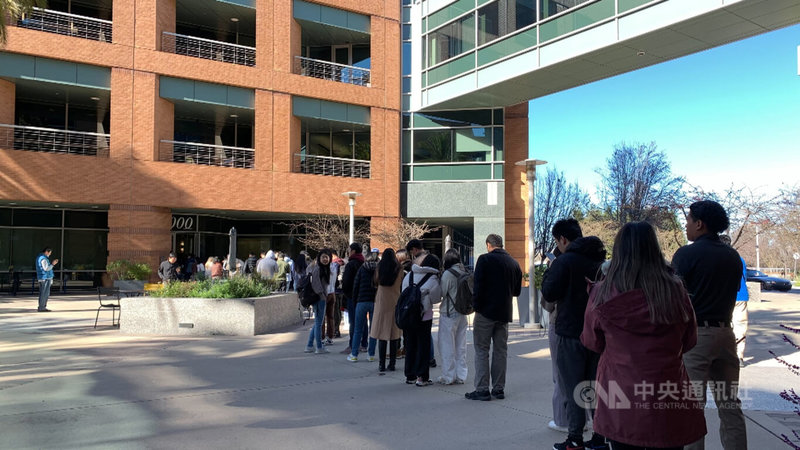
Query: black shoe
[
  {"x": 411, "y": 380},
  {"x": 597, "y": 442},
  {"x": 498, "y": 394},
  {"x": 390, "y": 368},
  {"x": 337, "y": 335},
  {"x": 569, "y": 444},
  {"x": 44, "y": 310},
  {"x": 433, "y": 363},
  {"x": 478, "y": 395},
  {"x": 381, "y": 369}
]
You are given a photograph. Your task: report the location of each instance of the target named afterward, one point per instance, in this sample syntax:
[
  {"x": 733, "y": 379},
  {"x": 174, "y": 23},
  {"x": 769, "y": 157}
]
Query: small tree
[
  {"x": 15, "y": 9},
  {"x": 397, "y": 232},
  {"x": 332, "y": 232},
  {"x": 555, "y": 199}
]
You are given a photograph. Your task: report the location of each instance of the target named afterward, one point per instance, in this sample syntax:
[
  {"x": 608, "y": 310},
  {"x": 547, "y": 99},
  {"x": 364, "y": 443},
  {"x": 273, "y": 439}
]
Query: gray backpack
[{"x": 465, "y": 283}]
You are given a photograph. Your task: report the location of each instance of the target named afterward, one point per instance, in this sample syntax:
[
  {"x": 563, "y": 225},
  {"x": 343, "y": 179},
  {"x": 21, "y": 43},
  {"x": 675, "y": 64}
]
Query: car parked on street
[{"x": 769, "y": 283}]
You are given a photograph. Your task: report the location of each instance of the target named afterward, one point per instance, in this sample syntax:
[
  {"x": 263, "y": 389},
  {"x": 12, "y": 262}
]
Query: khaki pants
[
  {"x": 714, "y": 359},
  {"x": 740, "y": 327}
]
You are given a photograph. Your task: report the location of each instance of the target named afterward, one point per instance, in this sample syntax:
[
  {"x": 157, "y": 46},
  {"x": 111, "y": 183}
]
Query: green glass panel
[
  {"x": 473, "y": 144},
  {"x": 498, "y": 116},
  {"x": 432, "y": 146},
  {"x": 27, "y": 243},
  {"x": 498, "y": 171},
  {"x": 575, "y": 20},
  {"x": 406, "y": 146},
  {"x": 406, "y": 173},
  {"x": 406, "y": 14},
  {"x": 625, "y": 5},
  {"x": 508, "y": 46},
  {"x": 424, "y": 79},
  {"x": 424, "y": 25},
  {"x": 481, "y": 2},
  {"x": 5, "y": 216},
  {"x": 5, "y": 249},
  {"x": 451, "y": 69},
  {"x": 454, "y": 172},
  {"x": 458, "y": 118},
  {"x": 450, "y": 12}
]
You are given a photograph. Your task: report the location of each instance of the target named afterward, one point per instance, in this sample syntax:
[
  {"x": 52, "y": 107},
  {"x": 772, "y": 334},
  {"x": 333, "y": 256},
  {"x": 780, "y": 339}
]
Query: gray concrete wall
[
  {"x": 208, "y": 316},
  {"x": 461, "y": 199}
]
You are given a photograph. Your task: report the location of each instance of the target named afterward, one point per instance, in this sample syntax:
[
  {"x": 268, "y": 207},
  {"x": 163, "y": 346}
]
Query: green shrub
[
  {"x": 237, "y": 287},
  {"x": 122, "y": 269}
]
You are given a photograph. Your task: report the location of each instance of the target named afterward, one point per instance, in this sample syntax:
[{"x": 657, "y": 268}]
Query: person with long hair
[
  {"x": 641, "y": 322},
  {"x": 418, "y": 340},
  {"x": 320, "y": 280},
  {"x": 388, "y": 278},
  {"x": 452, "y": 324},
  {"x": 364, "y": 297}
]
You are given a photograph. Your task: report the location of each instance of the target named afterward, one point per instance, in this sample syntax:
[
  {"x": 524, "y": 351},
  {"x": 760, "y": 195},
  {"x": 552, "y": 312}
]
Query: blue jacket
[
  {"x": 41, "y": 273},
  {"x": 742, "y": 295}
]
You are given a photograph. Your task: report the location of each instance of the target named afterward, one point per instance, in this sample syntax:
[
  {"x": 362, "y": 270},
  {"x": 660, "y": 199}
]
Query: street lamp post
[
  {"x": 352, "y": 201},
  {"x": 533, "y": 309}
]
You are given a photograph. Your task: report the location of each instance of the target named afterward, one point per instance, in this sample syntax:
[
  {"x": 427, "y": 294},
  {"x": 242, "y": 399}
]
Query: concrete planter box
[
  {"x": 209, "y": 316},
  {"x": 129, "y": 285}
]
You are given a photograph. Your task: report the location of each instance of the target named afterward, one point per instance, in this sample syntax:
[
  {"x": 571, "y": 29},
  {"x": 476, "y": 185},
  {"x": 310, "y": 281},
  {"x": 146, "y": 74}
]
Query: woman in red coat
[{"x": 641, "y": 321}]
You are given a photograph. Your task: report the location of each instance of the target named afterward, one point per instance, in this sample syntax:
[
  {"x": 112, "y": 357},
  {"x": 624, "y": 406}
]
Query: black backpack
[
  {"x": 305, "y": 292},
  {"x": 408, "y": 312},
  {"x": 463, "y": 301}
]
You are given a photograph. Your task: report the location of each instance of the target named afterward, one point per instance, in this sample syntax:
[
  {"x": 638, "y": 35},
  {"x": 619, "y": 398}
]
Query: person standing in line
[
  {"x": 560, "y": 421},
  {"x": 169, "y": 270},
  {"x": 216, "y": 270},
  {"x": 414, "y": 249},
  {"x": 740, "y": 316},
  {"x": 711, "y": 272},
  {"x": 497, "y": 279},
  {"x": 44, "y": 275},
  {"x": 425, "y": 274},
  {"x": 354, "y": 262},
  {"x": 250, "y": 264},
  {"x": 640, "y": 320},
  {"x": 329, "y": 325},
  {"x": 388, "y": 277},
  {"x": 565, "y": 283},
  {"x": 320, "y": 279},
  {"x": 364, "y": 298},
  {"x": 405, "y": 262},
  {"x": 452, "y": 324}
]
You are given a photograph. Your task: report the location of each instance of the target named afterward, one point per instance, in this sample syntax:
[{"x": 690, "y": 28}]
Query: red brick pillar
[
  {"x": 516, "y": 149},
  {"x": 7, "y": 99},
  {"x": 139, "y": 233}
]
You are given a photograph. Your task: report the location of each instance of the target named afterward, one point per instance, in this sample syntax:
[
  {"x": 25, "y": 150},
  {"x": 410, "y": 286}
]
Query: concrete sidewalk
[{"x": 67, "y": 385}]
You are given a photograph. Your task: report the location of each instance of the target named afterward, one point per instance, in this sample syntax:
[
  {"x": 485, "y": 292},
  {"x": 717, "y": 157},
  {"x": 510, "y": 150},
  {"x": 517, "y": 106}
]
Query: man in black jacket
[
  {"x": 497, "y": 279},
  {"x": 354, "y": 262},
  {"x": 711, "y": 272},
  {"x": 169, "y": 270},
  {"x": 565, "y": 284}
]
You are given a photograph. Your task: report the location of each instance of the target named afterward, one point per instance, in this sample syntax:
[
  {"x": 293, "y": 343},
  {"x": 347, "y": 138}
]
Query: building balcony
[
  {"x": 327, "y": 70},
  {"x": 51, "y": 140},
  {"x": 208, "y": 49},
  {"x": 206, "y": 154},
  {"x": 67, "y": 24},
  {"x": 330, "y": 166}
]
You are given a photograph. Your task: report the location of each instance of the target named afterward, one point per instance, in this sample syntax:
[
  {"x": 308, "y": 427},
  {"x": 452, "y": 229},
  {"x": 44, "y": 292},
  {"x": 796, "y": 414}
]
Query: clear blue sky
[{"x": 728, "y": 114}]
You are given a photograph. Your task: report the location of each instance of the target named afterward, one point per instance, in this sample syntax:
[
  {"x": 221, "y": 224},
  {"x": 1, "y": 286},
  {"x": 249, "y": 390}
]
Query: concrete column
[
  {"x": 262, "y": 130},
  {"x": 264, "y": 37},
  {"x": 139, "y": 233},
  {"x": 8, "y": 98},
  {"x": 516, "y": 149},
  {"x": 286, "y": 34},
  {"x": 121, "y": 112}
]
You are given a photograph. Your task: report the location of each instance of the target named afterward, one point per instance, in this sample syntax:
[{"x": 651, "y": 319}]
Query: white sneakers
[
  {"x": 321, "y": 350},
  {"x": 552, "y": 425},
  {"x": 308, "y": 350},
  {"x": 352, "y": 358}
]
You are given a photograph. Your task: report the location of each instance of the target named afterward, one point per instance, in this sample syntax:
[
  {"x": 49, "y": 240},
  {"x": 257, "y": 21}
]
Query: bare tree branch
[{"x": 396, "y": 233}]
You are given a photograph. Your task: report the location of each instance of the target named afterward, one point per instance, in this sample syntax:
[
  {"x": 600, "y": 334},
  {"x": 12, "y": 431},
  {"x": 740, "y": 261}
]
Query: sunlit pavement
[{"x": 64, "y": 384}]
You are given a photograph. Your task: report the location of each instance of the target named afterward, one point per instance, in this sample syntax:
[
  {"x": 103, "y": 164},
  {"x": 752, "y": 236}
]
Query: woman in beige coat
[{"x": 388, "y": 278}]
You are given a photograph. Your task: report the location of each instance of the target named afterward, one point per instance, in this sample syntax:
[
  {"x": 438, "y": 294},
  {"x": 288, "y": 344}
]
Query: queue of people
[{"x": 272, "y": 265}]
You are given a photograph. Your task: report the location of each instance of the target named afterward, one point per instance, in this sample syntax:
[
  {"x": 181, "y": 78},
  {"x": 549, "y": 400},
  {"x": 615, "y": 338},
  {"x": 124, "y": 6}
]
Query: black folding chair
[{"x": 109, "y": 298}]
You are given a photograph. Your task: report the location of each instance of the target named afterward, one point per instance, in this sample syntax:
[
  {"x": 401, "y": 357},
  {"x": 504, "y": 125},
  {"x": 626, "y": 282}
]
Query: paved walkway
[{"x": 64, "y": 384}]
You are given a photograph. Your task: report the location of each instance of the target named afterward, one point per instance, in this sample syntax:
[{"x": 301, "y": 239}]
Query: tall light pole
[
  {"x": 533, "y": 309},
  {"x": 352, "y": 201}
]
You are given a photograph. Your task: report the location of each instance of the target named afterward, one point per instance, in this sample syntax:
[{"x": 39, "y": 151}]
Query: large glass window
[
  {"x": 28, "y": 243},
  {"x": 335, "y": 139},
  {"x": 85, "y": 249},
  {"x": 504, "y": 17},
  {"x": 451, "y": 40},
  {"x": 432, "y": 146},
  {"x": 552, "y": 7},
  {"x": 473, "y": 144}
]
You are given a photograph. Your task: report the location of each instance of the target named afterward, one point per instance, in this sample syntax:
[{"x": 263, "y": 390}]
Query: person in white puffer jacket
[
  {"x": 418, "y": 345},
  {"x": 452, "y": 324}
]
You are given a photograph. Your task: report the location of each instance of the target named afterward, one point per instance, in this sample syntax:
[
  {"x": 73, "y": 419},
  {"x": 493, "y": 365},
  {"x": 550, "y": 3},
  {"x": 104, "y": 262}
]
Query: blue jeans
[
  {"x": 351, "y": 317},
  {"x": 44, "y": 292},
  {"x": 362, "y": 308},
  {"x": 316, "y": 330}
]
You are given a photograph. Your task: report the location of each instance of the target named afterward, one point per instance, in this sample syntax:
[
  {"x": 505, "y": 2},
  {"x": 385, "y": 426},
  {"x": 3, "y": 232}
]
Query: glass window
[
  {"x": 319, "y": 144},
  {"x": 406, "y": 32},
  {"x": 473, "y": 144},
  {"x": 342, "y": 144},
  {"x": 361, "y": 56},
  {"x": 362, "y": 146},
  {"x": 432, "y": 146},
  {"x": 406, "y": 84},
  {"x": 85, "y": 250},
  {"x": 504, "y": 17},
  {"x": 451, "y": 40},
  {"x": 28, "y": 243},
  {"x": 552, "y": 7},
  {"x": 85, "y": 219},
  {"x": 406, "y": 173},
  {"x": 37, "y": 218},
  {"x": 498, "y": 144},
  {"x": 498, "y": 116},
  {"x": 488, "y": 23},
  {"x": 406, "y": 146},
  {"x": 5, "y": 216},
  {"x": 465, "y": 118},
  {"x": 406, "y": 124},
  {"x": 5, "y": 249},
  {"x": 406, "y": 58}
]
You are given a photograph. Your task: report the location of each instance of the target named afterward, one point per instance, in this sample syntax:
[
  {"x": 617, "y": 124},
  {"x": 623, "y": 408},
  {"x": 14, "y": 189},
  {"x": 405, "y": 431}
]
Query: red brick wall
[{"x": 516, "y": 149}]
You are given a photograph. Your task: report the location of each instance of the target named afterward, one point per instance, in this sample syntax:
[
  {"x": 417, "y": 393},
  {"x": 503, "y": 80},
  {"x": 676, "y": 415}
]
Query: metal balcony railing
[
  {"x": 50, "y": 140},
  {"x": 206, "y": 154},
  {"x": 327, "y": 165},
  {"x": 208, "y": 49},
  {"x": 327, "y": 70},
  {"x": 67, "y": 24}
]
